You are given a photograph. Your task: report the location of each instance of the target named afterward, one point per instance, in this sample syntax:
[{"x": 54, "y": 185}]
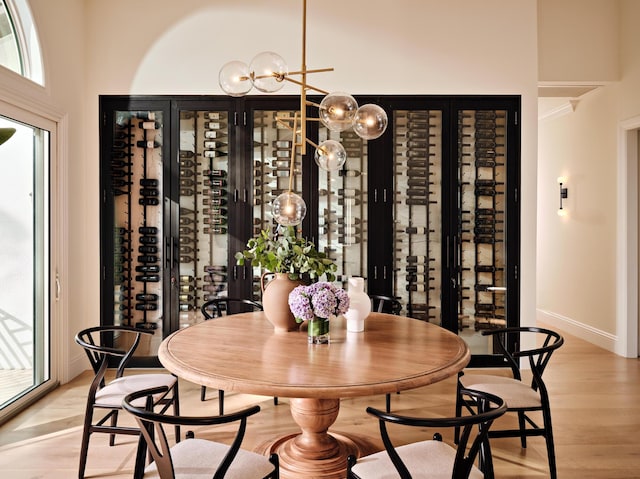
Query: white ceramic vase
[{"x": 359, "y": 305}]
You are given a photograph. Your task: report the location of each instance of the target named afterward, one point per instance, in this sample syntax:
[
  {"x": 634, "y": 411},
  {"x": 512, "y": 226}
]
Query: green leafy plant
[{"x": 286, "y": 253}]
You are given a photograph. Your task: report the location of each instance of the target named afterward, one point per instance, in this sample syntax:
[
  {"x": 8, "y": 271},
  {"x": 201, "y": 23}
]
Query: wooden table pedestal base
[{"x": 316, "y": 453}]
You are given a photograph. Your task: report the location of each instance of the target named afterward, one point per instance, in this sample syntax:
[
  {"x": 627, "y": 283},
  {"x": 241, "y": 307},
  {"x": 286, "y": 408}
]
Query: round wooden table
[{"x": 242, "y": 353}]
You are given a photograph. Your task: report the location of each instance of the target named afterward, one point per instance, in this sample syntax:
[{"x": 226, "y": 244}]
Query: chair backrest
[
  {"x": 99, "y": 343},
  {"x": 547, "y": 342},
  {"x": 473, "y": 441},
  {"x": 218, "y": 307},
  {"x": 385, "y": 304},
  {"x": 151, "y": 425}
]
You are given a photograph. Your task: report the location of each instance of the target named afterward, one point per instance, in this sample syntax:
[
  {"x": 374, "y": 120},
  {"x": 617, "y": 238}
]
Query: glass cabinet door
[
  {"x": 481, "y": 229},
  {"x": 417, "y": 229},
  {"x": 204, "y": 209},
  {"x": 133, "y": 188}
]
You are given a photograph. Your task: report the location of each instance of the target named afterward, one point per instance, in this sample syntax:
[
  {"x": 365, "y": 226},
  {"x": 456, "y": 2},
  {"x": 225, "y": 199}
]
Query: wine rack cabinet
[{"x": 428, "y": 213}]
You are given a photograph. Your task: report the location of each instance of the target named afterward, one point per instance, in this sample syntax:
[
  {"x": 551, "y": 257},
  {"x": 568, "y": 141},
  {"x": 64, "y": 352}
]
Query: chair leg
[
  {"x": 523, "y": 426},
  {"x": 221, "y": 401},
  {"x": 176, "y": 408},
  {"x": 387, "y": 399},
  {"x": 203, "y": 391},
  {"x": 84, "y": 448},
  {"x": 114, "y": 423},
  {"x": 550, "y": 443},
  {"x": 275, "y": 401}
]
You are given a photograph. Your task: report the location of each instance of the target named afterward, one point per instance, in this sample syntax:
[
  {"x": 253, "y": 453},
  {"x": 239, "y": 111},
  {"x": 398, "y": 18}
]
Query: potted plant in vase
[{"x": 289, "y": 258}]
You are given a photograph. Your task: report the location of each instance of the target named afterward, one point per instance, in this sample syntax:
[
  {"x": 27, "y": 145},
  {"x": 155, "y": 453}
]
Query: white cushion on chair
[
  {"x": 112, "y": 394},
  {"x": 516, "y": 394},
  {"x": 425, "y": 459},
  {"x": 199, "y": 458}
]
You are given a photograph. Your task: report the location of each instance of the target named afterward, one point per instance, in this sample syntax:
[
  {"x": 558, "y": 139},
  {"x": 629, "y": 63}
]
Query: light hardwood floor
[{"x": 595, "y": 405}]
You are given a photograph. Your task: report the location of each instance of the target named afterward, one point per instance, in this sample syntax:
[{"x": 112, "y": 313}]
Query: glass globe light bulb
[
  {"x": 288, "y": 209},
  {"x": 267, "y": 71},
  {"x": 234, "y": 78},
  {"x": 330, "y": 155},
  {"x": 370, "y": 121},
  {"x": 337, "y": 111}
]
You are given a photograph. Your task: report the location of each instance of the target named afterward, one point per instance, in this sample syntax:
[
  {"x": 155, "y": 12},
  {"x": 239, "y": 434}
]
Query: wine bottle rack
[
  {"x": 417, "y": 204},
  {"x": 481, "y": 228},
  {"x": 135, "y": 173},
  {"x": 203, "y": 218}
]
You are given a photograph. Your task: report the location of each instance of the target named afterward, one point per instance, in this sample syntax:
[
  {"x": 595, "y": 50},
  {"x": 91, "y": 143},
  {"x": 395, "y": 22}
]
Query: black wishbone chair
[
  {"x": 108, "y": 397},
  {"x": 434, "y": 458},
  {"x": 521, "y": 397},
  {"x": 193, "y": 457}
]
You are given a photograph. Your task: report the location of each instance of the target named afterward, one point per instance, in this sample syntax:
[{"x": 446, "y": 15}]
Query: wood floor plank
[{"x": 594, "y": 406}]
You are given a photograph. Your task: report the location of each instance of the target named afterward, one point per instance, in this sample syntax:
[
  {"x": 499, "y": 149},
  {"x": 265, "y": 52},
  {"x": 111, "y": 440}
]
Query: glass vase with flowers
[{"x": 316, "y": 304}]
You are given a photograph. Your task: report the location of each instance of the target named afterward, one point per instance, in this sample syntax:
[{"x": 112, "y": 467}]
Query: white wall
[
  {"x": 577, "y": 282},
  {"x": 168, "y": 47}
]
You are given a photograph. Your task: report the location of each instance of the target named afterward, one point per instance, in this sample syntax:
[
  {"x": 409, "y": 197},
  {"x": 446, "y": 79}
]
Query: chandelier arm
[
  {"x": 315, "y": 70},
  {"x": 306, "y": 86},
  {"x": 292, "y": 162}
]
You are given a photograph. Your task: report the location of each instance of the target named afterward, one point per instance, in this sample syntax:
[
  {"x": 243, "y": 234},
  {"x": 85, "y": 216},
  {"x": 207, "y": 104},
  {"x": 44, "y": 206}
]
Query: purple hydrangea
[{"x": 320, "y": 299}]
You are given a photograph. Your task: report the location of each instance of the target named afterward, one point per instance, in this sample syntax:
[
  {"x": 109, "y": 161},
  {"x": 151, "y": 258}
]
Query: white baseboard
[
  {"x": 590, "y": 334},
  {"x": 77, "y": 365}
]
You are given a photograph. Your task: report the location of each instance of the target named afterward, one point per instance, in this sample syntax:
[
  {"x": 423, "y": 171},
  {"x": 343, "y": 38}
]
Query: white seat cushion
[
  {"x": 516, "y": 394},
  {"x": 111, "y": 395},
  {"x": 199, "y": 458},
  {"x": 425, "y": 459}
]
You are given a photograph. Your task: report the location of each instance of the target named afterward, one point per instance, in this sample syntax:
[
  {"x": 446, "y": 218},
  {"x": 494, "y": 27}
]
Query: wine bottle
[
  {"x": 349, "y": 201},
  {"x": 120, "y": 173},
  {"x": 215, "y": 211},
  {"x": 421, "y": 192},
  {"x": 184, "y": 298},
  {"x": 186, "y": 259},
  {"x": 215, "y": 230},
  {"x": 150, "y": 249},
  {"x": 485, "y": 153},
  {"x": 216, "y": 182},
  {"x": 122, "y": 135},
  {"x": 146, "y": 306},
  {"x": 186, "y": 154},
  {"x": 186, "y": 173},
  {"x": 149, "y": 125},
  {"x": 215, "y": 192},
  {"x": 485, "y": 211},
  {"x": 149, "y": 191},
  {"x": 214, "y": 153},
  {"x": 148, "y": 259},
  {"x": 186, "y": 220},
  {"x": 148, "y": 268},
  {"x": 117, "y": 182},
  {"x": 151, "y": 182},
  {"x": 215, "y": 173},
  {"x": 214, "y": 201},
  {"x": 214, "y": 125},
  {"x": 144, "y": 115},
  {"x": 120, "y": 154},
  {"x": 349, "y": 173},
  {"x": 148, "y": 278},
  {"x": 120, "y": 164},
  {"x": 186, "y": 307},
  {"x": 213, "y": 144},
  {"x": 485, "y": 115},
  {"x": 485, "y": 134},
  {"x": 417, "y": 230},
  {"x": 185, "y": 230},
  {"x": 188, "y": 163},
  {"x": 214, "y": 115},
  {"x": 217, "y": 220},
  {"x": 148, "y": 240},
  {"x": 490, "y": 144},
  {"x": 485, "y": 163},
  {"x": 185, "y": 278},
  {"x": 148, "y": 144},
  {"x": 149, "y": 201},
  {"x": 121, "y": 144},
  {"x": 186, "y": 192},
  {"x": 485, "y": 124},
  {"x": 214, "y": 134},
  {"x": 186, "y": 249},
  {"x": 487, "y": 183}
]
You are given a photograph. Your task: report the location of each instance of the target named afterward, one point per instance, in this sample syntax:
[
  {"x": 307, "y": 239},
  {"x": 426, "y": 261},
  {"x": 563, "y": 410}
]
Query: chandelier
[{"x": 338, "y": 111}]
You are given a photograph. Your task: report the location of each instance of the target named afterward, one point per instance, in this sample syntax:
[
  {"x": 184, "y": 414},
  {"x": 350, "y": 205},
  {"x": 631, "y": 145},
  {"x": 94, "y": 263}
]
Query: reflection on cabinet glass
[{"x": 343, "y": 208}]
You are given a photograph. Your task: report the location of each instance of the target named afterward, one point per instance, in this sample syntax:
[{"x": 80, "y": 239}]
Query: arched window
[{"x": 19, "y": 45}]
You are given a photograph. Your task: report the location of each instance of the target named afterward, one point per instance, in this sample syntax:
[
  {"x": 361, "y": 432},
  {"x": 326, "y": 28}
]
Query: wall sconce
[{"x": 564, "y": 193}]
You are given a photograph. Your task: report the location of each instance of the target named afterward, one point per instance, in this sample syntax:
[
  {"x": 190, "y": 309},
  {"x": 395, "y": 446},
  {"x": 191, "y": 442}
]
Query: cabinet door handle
[
  {"x": 384, "y": 195},
  {"x": 58, "y": 286},
  {"x": 375, "y": 272},
  {"x": 245, "y": 195},
  {"x": 235, "y": 195},
  {"x": 375, "y": 195}
]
